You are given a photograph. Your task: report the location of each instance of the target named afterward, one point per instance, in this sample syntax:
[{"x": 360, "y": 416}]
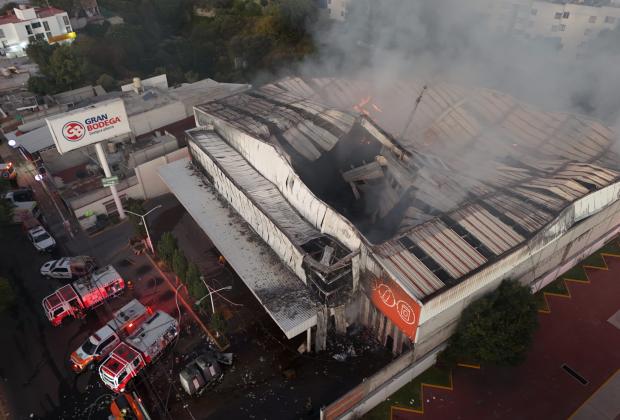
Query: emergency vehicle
[
  {"x": 7, "y": 171},
  {"x": 138, "y": 350},
  {"x": 86, "y": 293},
  {"x": 101, "y": 343},
  {"x": 68, "y": 268}
]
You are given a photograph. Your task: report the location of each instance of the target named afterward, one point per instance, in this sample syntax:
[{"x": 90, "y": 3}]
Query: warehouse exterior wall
[
  {"x": 260, "y": 222},
  {"x": 571, "y": 237},
  {"x": 273, "y": 166}
]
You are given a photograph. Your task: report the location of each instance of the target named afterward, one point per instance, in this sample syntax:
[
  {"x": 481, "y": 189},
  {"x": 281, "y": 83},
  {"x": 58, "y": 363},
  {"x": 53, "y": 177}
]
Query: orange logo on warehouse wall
[{"x": 394, "y": 302}]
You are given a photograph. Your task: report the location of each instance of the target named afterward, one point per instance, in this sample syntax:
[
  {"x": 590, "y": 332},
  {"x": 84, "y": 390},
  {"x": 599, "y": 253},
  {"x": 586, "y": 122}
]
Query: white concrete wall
[
  {"x": 273, "y": 166},
  {"x": 96, "y": 206},
  {"x": 148, "y": 177},
  {"x": 152, "y": 120},
  {"x": 260, "y": 222}
]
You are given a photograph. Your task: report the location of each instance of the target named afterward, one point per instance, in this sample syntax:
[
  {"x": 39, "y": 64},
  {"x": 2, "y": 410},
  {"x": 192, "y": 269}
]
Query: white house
[{"x": 25, "y": 24}]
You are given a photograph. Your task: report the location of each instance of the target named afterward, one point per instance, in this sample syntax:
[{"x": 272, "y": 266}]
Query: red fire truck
[
  {"x": 83, "y": 294},
  {"x": 138, "y": 350},
  {"x": 125, "y": 321}
]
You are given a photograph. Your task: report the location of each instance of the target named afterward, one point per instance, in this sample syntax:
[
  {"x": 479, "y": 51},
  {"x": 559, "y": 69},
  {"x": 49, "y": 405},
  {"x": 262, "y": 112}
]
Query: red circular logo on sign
[{"x": 73, "y": 131}]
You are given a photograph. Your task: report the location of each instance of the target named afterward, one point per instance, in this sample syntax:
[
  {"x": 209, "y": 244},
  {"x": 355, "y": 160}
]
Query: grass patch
[
  {"x": 557, "y": 287},
  {"x": 575, "y": 273},
  {"x": 594, "y": 260},
  {"x": 541, "y": 303},
  {"x": 410, "y": 395},
  {"x": 610, "y": 248}
]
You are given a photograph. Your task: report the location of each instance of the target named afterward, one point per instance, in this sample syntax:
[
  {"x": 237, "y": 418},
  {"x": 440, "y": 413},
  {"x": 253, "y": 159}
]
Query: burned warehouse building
[{"x": 340, "y": 202}]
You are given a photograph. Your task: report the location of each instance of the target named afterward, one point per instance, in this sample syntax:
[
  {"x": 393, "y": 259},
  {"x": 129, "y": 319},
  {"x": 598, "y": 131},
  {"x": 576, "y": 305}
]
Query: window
[
  {"x": 2, "y": 34},
  {"x": 36, "y": 25},
  {"x": 29, "y": 29},
  {"x": 61, "y": 270},
  {"x": 68, "y": 28},
  {"x": 592, "y": 19},
  {"x": 31, "y": 38},
  {"x": 342, "y": 13},
  {"x": 48, "y": 34},
  {"x": 558, "y": 15},
  {"x": 39, "y": 36},
  {"x": 136, "y": 362},
  {"x": 565, "y": 15},
  {"x": 534, "y": 12},
  {"x": 65, "y": 19},
  {"x": 587, "y": 32},
  {"x": 106, "y": 343},
  {"x": 46, "y": 25},
  {"x": 562, "y": 28},
  {"x": 610, "y": 19}
]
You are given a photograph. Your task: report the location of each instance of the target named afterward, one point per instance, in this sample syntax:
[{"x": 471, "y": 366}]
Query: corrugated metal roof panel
[
  {"x": 450, "y": 251},
  {"x": 523, "y": 213},
  {"x": 406, "y": 266},
  {"x": 488, "y": 229}
]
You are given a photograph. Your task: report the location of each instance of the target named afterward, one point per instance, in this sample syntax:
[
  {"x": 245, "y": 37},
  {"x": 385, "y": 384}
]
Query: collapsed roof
[{"x": 443, "y": 178}]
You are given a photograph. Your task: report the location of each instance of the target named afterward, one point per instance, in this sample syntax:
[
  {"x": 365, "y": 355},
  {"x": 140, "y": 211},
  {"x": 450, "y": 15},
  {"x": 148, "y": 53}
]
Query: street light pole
[
  {"x": 146, "y": 228},
  {"x": 210, "y": 294}
]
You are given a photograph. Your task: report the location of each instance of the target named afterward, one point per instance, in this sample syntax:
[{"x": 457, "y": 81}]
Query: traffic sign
[{"x": 108, "y": 182}]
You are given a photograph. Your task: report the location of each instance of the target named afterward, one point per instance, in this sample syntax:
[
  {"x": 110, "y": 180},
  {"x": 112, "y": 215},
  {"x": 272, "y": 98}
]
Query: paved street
[{"x": 269, "y": 377}]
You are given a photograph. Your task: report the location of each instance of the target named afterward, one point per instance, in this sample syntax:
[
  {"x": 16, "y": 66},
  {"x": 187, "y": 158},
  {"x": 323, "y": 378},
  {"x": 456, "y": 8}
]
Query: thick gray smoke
[{"x": 457, "y": 41}]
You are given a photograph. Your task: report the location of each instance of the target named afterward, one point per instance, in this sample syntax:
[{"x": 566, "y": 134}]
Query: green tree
[
  {"x": 6, "y": 211},
  {"x": 497, "y": 329},
  {"x": 67, "y": 68},
  {"x": 40, "y": 51},
  {"x": 7, "y": 294},
  {"x": 179, "y": 264},
  {"x": 295, "y": 16},
  {"x": 107, "y": 82},
  {"x": 218, "y": 323},
  {"x": 166, "y": 246},
  {"x": 195, "y": 287}
]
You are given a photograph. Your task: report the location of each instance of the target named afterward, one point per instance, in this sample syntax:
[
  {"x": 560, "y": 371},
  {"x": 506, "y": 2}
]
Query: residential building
[
  {"x": 25, "y": 24},
  {"x": 570, "y": 25}
]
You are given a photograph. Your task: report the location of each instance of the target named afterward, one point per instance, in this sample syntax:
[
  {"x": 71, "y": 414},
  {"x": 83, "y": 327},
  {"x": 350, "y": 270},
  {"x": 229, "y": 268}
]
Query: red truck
[
  {"x": 138, "y": 350},
  {"x": 83, "y": 294},
  {"x": 125, "y": 321}
]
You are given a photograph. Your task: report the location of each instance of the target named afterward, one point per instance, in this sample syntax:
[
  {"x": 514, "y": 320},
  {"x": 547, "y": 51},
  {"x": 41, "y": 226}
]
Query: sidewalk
[{"x": 604, "y": 404}]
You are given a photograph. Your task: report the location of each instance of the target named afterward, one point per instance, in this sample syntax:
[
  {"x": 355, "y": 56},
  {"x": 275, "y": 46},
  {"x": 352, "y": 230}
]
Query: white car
[
  {"x": 68, "y": 268},
  {"x": 41, "y": 240}
]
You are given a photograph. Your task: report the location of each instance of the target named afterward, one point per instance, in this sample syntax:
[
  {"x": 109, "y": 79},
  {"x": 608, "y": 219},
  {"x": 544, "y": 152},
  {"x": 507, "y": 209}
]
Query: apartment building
[{"x": 25, "y": 24}]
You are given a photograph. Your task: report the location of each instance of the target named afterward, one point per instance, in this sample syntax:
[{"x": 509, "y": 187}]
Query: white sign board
[{"x": 88, "y": 125}]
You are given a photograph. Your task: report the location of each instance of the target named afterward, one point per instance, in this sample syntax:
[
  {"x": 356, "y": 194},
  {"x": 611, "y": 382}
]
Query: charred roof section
[{"x": 444, "y": 179}]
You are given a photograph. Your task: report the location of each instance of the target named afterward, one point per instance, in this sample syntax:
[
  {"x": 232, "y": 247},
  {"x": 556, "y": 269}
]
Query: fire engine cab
[
  {"x": 83, "y": 294},
  {"x": 138, "y": 350},
  {"x": 99, "y": 345}
]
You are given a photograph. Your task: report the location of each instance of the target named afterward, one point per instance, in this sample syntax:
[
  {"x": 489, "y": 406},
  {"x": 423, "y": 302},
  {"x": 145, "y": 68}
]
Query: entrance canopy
[{"x": 283, "y": 295}]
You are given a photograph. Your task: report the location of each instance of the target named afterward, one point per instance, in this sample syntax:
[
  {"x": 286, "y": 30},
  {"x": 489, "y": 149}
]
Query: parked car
[
  {"x": 41, "y": 240},
  {"x": 69, "y": 268}
]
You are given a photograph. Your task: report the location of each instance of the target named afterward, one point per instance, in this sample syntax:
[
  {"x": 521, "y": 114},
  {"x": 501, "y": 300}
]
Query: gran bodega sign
[{"x": 92, "y": 124}]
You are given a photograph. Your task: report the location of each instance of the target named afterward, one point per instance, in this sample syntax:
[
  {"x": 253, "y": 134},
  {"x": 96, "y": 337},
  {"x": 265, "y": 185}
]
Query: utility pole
[{"x": 106, "y": 170}]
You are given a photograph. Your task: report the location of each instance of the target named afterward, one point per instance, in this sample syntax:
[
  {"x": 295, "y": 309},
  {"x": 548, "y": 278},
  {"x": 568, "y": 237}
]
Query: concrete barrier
[{"x": 374, "y": 390}]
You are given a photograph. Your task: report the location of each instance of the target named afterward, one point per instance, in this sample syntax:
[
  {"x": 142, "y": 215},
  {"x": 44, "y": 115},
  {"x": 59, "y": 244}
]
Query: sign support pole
[{"x": 108, "y": 174}]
